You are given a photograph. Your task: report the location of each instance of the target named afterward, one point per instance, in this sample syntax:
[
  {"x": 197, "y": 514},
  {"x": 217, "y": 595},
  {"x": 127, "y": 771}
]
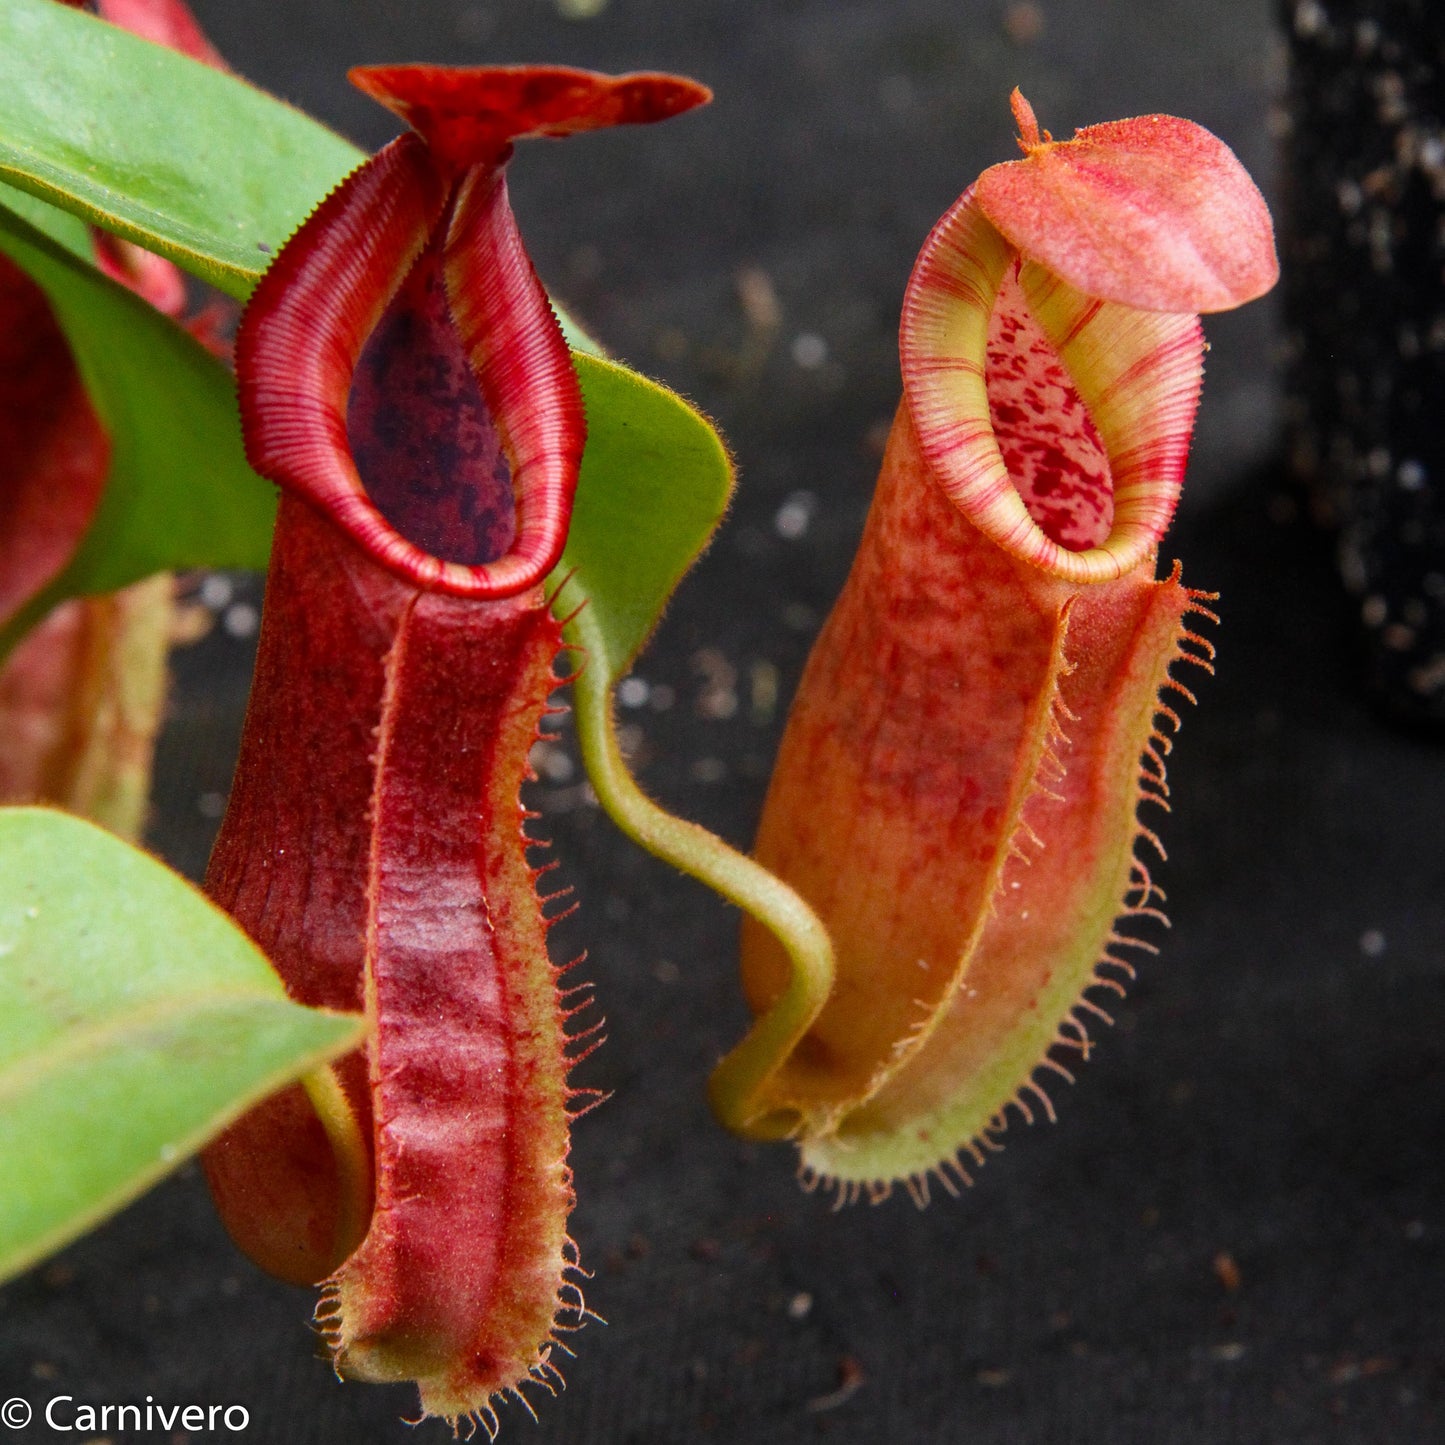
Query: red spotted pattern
[
  {"x": 424, "y": 442},
  {"x": 1049, "y": 443}
]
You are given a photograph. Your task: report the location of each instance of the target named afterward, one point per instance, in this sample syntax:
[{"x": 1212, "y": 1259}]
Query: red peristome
[
  {"x": 524, "y": 369},
  {"x": 436, "y": 197},
  {"x": 470, "y": 115},
  {"x": 54, "y": 452},
  {"x": 304, "y": 330},
  {"x": 311, "y": 317},
  {"x": 1153, "y": 212}
]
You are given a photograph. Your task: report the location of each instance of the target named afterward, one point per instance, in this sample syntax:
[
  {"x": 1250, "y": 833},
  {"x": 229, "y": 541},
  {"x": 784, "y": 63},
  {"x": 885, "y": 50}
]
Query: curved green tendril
[{"x": 704, "y": 856}]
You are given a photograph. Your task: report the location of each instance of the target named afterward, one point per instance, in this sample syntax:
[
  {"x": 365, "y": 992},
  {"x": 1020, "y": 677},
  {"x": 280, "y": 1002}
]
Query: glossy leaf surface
[
  {"x": 655, "y": 484},
  {"x": 139, "y": 1021},
  {"x": 148, "y": 144},
  {"x": 193, "y": 164}
]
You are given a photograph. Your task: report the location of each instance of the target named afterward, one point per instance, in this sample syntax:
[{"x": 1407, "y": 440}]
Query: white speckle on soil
[
  {"x": 633, "y": 692},
  {"x": 809, "y": 350},
  {"x": 1411, "y": 475},
  {"x": 795, "y": 516},
  {"x": 551, "y": 763},
  {"x": 241, "y": 620},
  {"x": 217, "y": 591}
]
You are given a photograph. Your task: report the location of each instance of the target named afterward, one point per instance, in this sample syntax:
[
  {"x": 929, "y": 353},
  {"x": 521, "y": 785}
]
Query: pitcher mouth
[
  {"x": 1051, "y": 348},
  {"x": 299, "y": 364},
  {"x": 460, "y": 480},
  {"x": 1056, "y": 422}
]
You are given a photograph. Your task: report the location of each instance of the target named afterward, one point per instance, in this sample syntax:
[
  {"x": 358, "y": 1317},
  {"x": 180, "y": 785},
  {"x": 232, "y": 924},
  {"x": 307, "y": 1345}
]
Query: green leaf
[
  {"x": 191, "y": 163},
  {"x": 656, "y": 481},
  {"x": 138, "y": 1022},
  {"x": 179, "y": 493},
  {"x": 61, "y": 227}
]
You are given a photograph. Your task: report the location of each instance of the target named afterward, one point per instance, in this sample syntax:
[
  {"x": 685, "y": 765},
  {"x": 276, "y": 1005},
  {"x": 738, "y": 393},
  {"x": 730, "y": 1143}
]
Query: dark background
[{"x": 1272, "y": 1091}]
